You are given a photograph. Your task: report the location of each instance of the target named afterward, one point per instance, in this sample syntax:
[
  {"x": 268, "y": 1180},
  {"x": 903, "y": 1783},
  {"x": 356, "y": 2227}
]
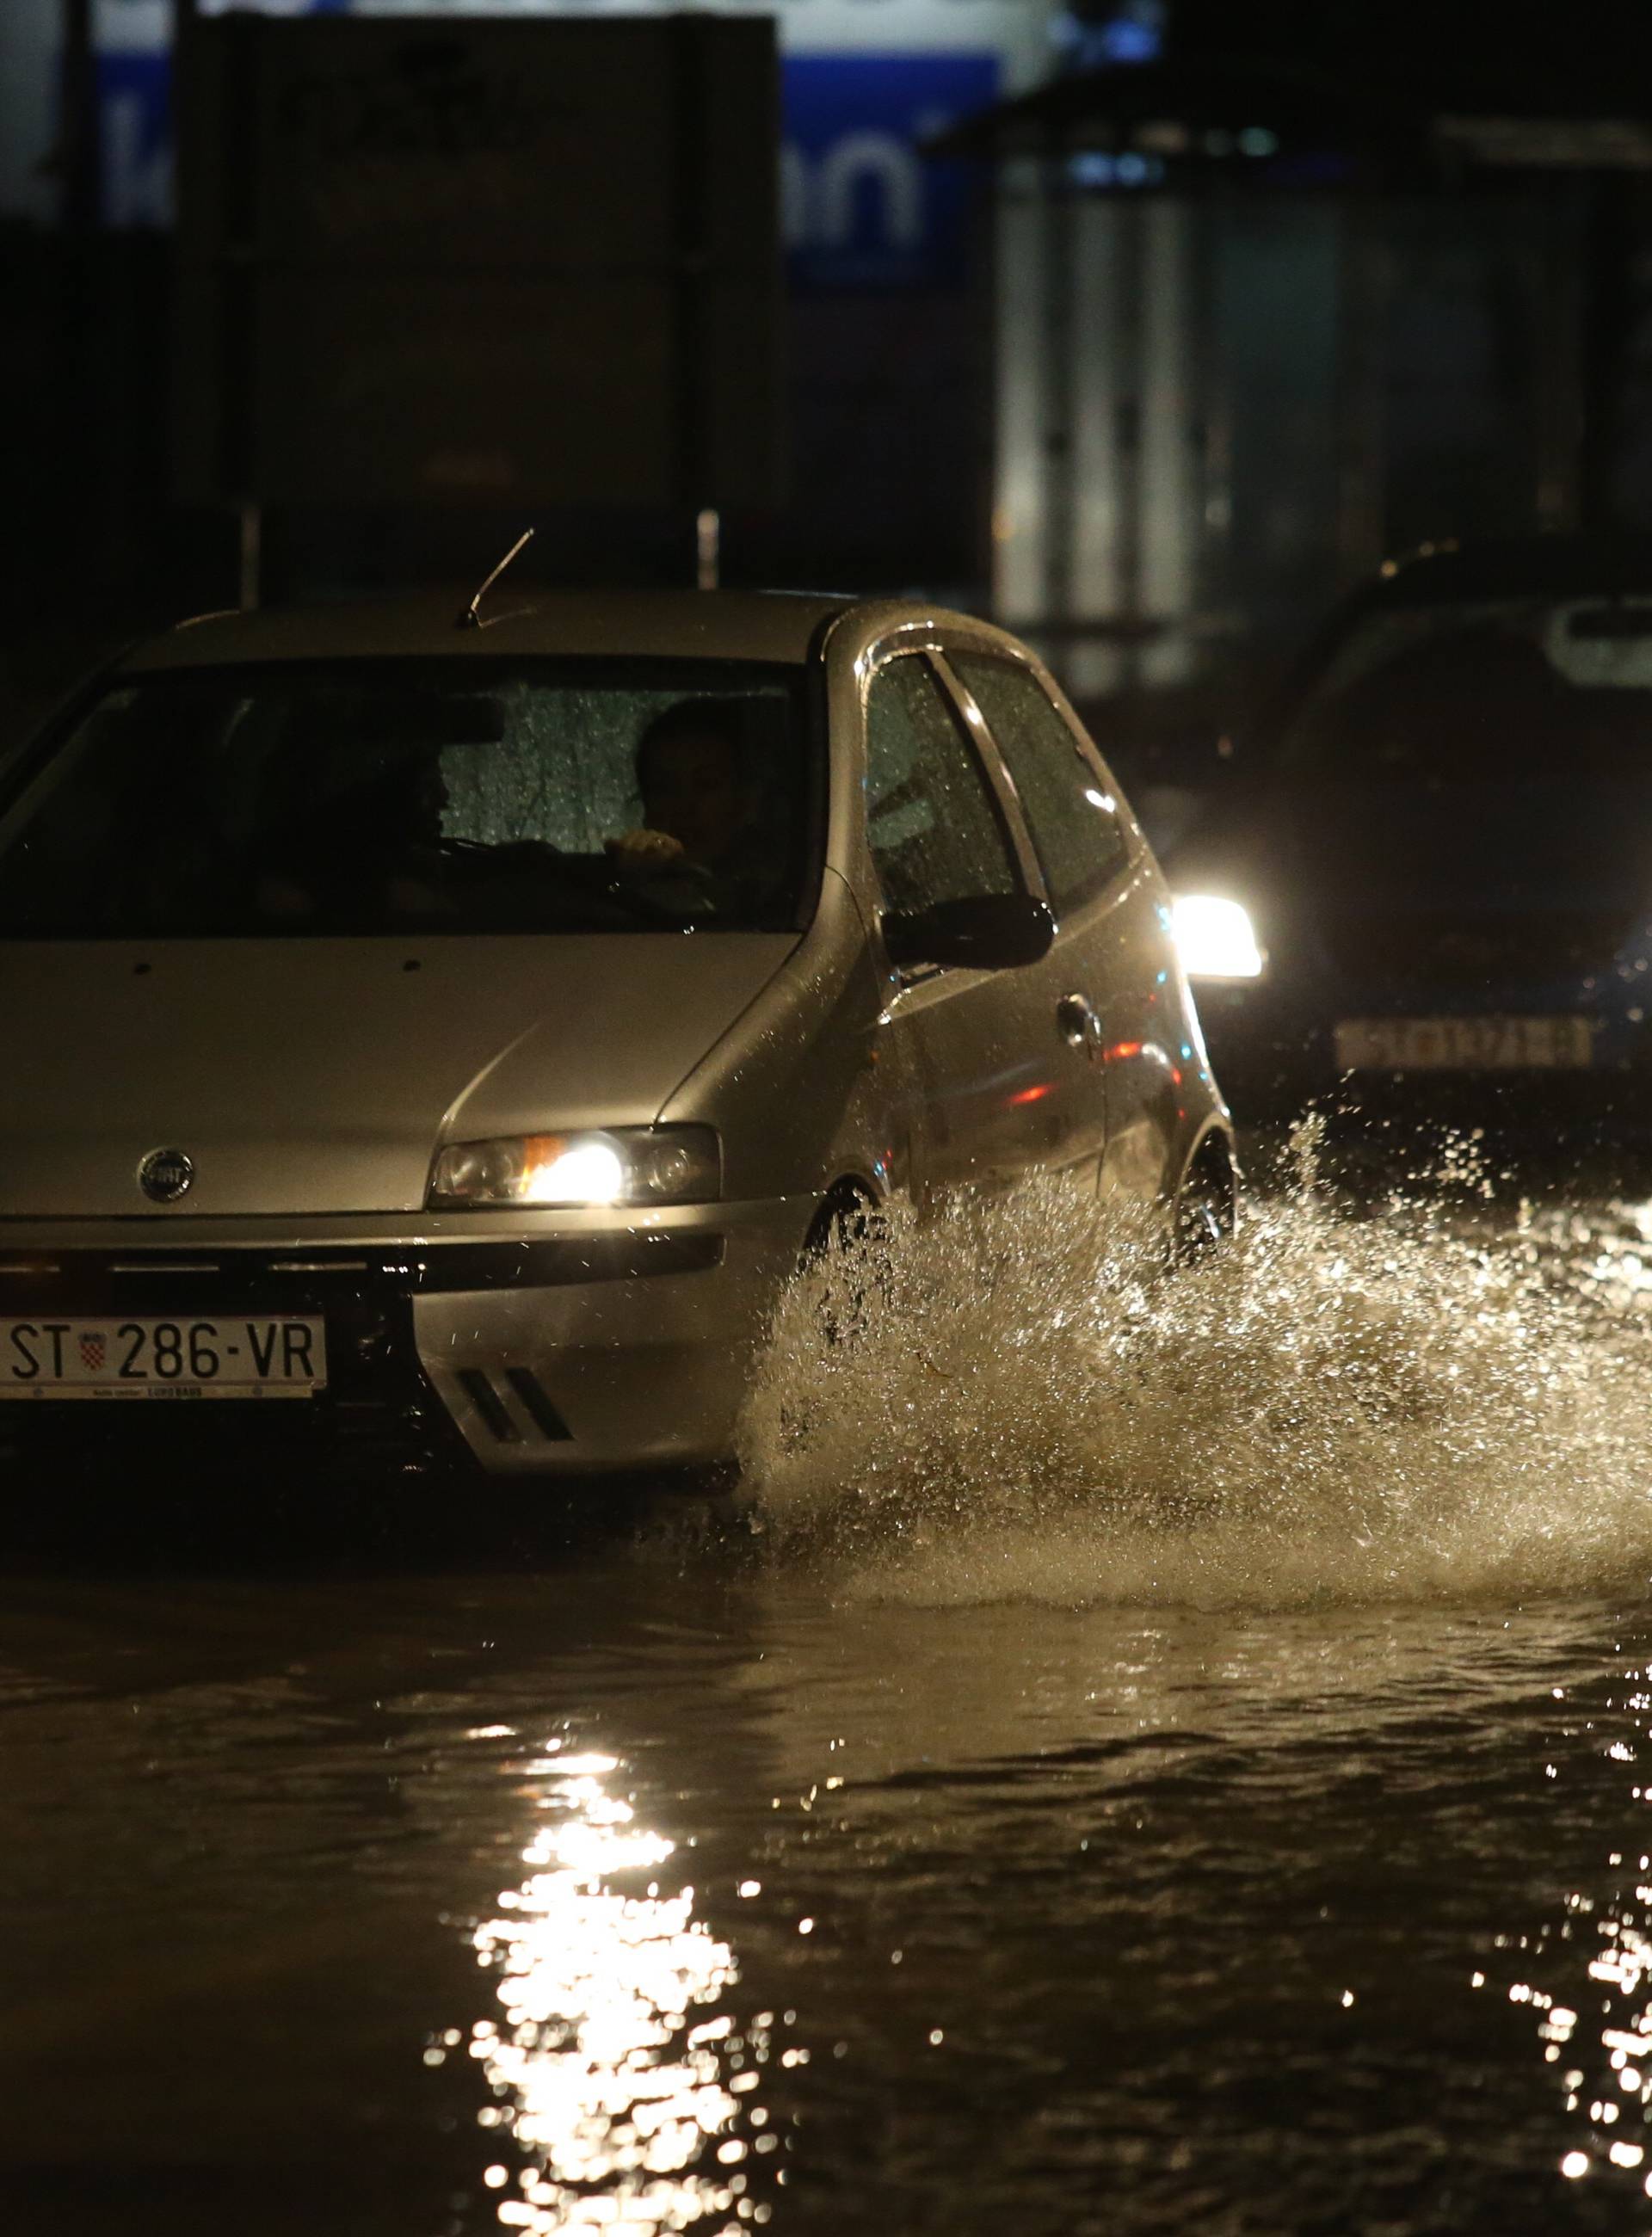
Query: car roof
[
  {"x": 1490, "y": 567},
  {"x": 762, "y": 625}
]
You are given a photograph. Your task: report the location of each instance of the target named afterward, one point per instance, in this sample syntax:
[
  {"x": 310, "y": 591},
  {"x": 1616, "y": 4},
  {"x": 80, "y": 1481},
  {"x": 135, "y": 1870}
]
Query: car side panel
[
  {"x": 1060, "y": 1002},
  {"x": 1161, "y": 1092}
]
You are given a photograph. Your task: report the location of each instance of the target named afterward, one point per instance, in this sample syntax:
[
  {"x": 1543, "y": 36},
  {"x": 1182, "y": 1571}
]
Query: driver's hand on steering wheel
[{"x": 644, "y": 850}]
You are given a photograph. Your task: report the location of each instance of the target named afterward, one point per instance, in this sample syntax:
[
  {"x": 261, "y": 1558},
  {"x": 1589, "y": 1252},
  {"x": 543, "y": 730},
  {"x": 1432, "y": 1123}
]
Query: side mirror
[{"x": 987, "y": 932}]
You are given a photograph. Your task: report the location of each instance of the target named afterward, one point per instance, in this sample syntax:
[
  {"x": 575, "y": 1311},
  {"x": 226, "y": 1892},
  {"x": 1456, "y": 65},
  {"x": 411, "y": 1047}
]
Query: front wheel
[
  {"x": 1202, "y": 1220},
  {"x": 844, "y": 1247}
]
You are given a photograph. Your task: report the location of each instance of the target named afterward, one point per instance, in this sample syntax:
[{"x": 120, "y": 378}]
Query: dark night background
[{"x": 1500, "y": 381}]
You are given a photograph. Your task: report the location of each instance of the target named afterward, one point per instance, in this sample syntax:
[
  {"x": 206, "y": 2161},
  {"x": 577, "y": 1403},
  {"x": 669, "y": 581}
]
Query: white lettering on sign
[
  {"x": 891, "y": 166},
  {"x": 824, "y": 198}
]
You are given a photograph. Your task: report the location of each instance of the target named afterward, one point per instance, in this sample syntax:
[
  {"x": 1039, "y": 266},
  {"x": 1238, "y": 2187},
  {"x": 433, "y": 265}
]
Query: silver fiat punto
[{"x": 452, "y": 1037}]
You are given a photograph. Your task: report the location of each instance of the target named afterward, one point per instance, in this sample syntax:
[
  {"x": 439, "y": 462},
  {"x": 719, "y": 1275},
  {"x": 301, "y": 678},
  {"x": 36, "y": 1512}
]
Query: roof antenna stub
[{"x": 471, "y": 618}]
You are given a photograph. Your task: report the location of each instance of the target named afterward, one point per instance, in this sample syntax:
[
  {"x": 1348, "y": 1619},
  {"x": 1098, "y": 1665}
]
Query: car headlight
[
  {"x": 1215, "y": 938},
  {"x": 620, "y": 1164}
]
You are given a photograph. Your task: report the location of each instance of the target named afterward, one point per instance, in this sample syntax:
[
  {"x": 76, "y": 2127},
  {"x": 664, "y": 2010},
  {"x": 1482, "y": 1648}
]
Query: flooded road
[{"x": 1154, "y": 1757}]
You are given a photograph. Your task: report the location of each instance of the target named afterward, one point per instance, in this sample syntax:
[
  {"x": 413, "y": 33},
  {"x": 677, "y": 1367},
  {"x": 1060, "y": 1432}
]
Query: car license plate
[
  {"x": 66, "y": 1355},
  {"x": 1552, "y": 1044}
]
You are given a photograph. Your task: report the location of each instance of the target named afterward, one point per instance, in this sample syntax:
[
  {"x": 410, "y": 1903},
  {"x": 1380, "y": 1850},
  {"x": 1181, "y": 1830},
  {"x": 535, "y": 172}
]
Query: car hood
[{"x": 319, "y": 1076}]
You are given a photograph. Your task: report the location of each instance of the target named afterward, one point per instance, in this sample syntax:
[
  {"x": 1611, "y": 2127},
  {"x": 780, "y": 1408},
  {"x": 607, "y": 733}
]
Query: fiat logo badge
[{"x": 165, "y": 1175}]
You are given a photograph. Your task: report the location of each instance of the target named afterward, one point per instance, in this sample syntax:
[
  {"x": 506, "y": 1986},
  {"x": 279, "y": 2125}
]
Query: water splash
[{"x": 1013, "y": 1400}]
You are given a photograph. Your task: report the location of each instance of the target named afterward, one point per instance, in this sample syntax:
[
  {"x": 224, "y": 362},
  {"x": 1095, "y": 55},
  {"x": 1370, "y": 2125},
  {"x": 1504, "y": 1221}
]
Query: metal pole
[
  {"x": 1056, "y": 353},
  {"x": 1560, "y": 380},
  {"x": 78, "y": 122},
  {"x": 1018, "y": 519},
  {"x": 1166, "y": 455},
  {"x": 1130, "y": 418},
  {"x": 1213, "y": 584},
  {"x": 1608, "y": 322},
  {"x": 1100, "y": 378},
  {"x": 691, "y": 64},
  {"x": 1364, "y": 288},
  {"x": 79, "y": 431},
  {"x": 252, "y": 555},
  {"x": 247, "y": 512},
  {"x": 707, "y": 547}
]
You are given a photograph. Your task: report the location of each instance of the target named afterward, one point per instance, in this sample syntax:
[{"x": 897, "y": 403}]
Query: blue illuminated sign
[{"x": 862, "y": 206}]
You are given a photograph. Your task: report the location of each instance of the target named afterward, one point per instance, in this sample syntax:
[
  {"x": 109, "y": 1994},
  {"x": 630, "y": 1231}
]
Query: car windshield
[
  {"x": 443, "y": 796},
  {"x": 1499, "y": 690}
]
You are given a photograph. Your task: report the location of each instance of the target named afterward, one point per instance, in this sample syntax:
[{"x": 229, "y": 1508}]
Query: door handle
[{"x": 1078, "y": 1024}]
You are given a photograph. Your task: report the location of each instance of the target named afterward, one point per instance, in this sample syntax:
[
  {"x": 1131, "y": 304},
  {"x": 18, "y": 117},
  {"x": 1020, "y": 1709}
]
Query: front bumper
[{"x": 574, "y": 1344}]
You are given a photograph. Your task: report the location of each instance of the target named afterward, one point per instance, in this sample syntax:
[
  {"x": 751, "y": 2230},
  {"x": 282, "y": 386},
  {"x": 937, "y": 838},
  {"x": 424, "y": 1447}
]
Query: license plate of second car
[
  {"x": 111, "y": 1356},
  {"x": 1485, "y": 1044}
]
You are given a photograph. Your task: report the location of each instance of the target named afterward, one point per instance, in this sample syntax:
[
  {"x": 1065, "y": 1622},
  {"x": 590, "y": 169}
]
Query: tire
[
  {"x": 844, "y": 1239},
  {"x": 1202, "y": 1222}
]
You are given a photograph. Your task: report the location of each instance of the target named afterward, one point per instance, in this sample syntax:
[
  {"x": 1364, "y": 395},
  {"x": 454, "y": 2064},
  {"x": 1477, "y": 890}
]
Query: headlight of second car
[
  {"x": 617, "y": 1165},
  {"x": 1214, "y": 938}
]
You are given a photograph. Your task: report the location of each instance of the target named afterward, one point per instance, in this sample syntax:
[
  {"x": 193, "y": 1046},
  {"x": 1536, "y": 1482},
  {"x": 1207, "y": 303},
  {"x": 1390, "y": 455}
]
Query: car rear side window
[
  {"x": 932, "y": 822},
  {"x": 1074, "y": 818}
]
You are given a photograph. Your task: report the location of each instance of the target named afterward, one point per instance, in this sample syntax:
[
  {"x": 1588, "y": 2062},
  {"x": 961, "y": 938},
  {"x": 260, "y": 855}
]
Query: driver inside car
[{"x": 699, "y": 827}]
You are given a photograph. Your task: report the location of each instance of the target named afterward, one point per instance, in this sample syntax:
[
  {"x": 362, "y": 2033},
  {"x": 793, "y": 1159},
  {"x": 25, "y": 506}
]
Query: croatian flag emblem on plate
[{"x": 91, "y": 1351}]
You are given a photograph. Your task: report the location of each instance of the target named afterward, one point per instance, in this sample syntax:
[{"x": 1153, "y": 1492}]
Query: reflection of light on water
[
  {"x": 624, "y": 2095},
  {"x": 1613, "y": 2100},
  {"x": 1608, "y": 2083}
]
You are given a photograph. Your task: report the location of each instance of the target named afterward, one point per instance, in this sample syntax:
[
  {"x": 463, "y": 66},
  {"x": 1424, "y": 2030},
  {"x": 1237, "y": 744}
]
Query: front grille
[
  {"x": 536, "y": 1403},
  {"x": 479, "y": 1389},
  {"x": 542, "y": 1420},
  {"x": 1466, "y": 951},
  {"x": 164, "y": 1281}
]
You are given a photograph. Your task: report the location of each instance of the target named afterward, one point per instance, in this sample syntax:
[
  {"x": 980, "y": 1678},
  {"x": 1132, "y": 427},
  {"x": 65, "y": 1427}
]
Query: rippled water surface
[{"x": 1155, "y": 1756}]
